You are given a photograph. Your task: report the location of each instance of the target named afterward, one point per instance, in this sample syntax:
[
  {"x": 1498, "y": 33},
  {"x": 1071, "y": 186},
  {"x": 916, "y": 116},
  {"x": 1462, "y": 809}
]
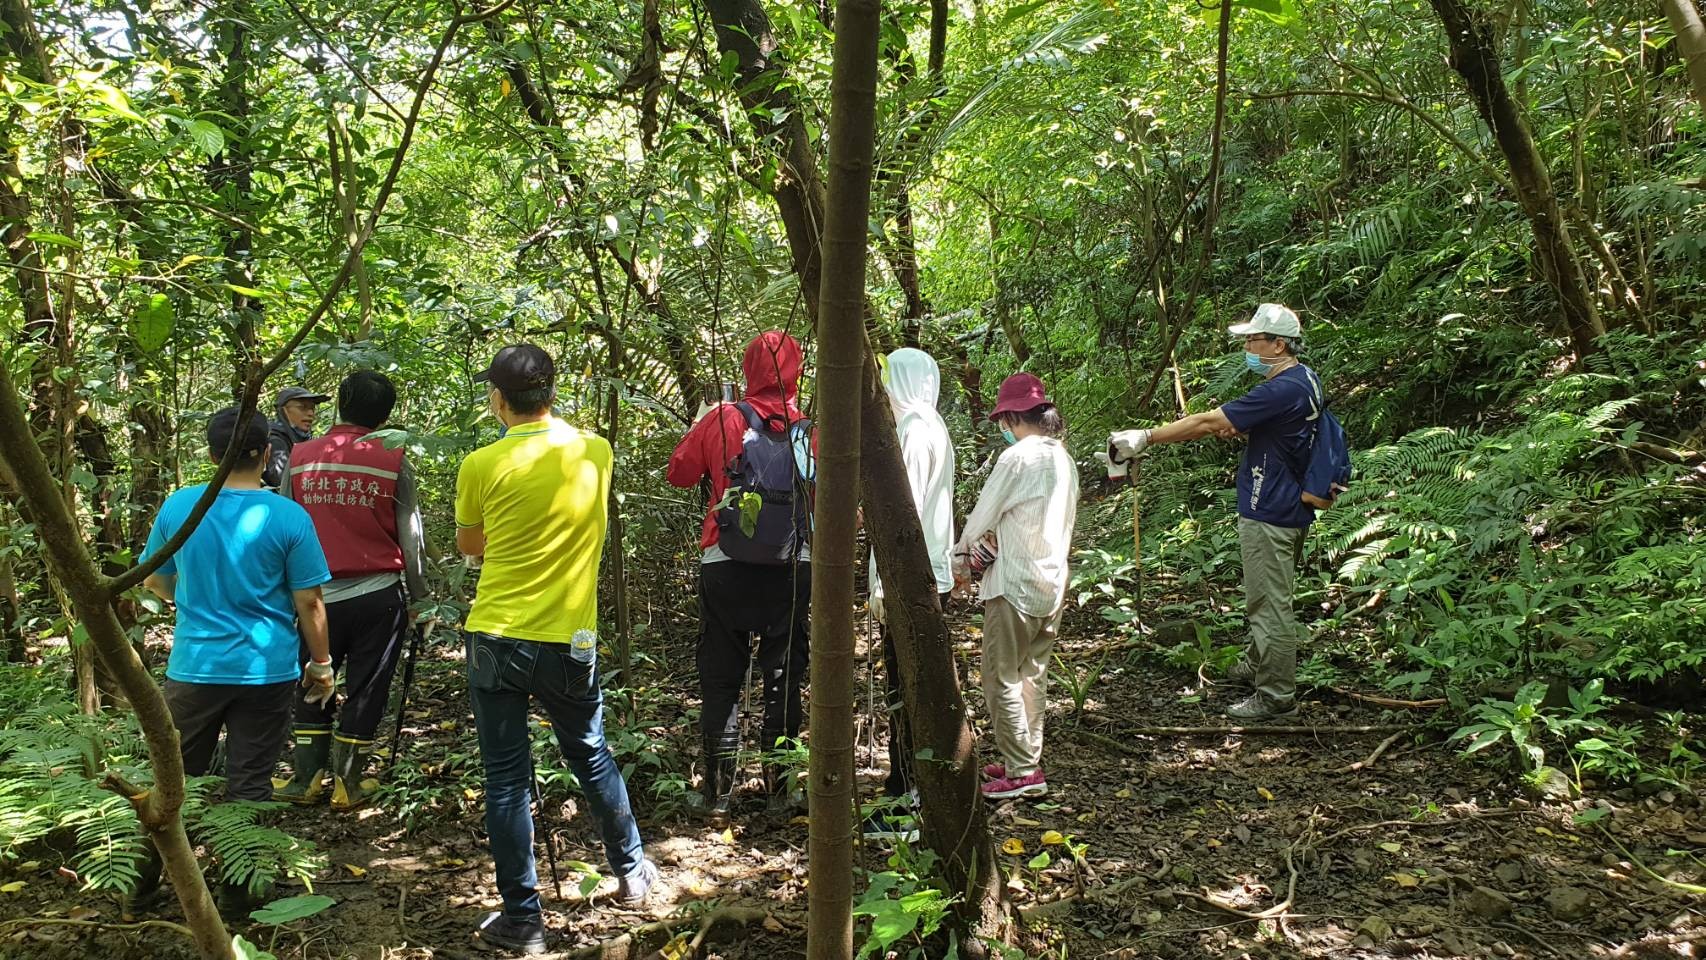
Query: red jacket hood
[{"x": 771, "y": 366}]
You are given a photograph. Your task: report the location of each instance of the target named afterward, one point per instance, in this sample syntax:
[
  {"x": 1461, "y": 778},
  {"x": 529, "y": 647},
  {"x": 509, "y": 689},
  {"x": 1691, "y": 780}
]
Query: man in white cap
[{"x": 1278, "y": 418}]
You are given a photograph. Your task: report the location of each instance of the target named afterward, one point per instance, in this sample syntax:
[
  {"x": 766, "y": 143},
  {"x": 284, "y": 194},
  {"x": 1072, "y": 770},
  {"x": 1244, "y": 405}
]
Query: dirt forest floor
[{"x": 1369, "y": 839}]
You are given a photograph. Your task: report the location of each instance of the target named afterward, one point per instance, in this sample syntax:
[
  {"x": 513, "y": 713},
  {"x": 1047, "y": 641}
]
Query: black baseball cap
[
  {"x": 299, "y": 393},
  {"x": 519, "y": 367},
  {"x": 223, "y": 429}
]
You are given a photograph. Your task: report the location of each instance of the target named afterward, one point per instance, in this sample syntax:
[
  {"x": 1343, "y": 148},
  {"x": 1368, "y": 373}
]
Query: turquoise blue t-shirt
[{"x": 236, "y": 620}]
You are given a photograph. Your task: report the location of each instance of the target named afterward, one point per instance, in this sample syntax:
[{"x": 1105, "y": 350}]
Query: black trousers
[
  {"x": 899, "y": 781},
  {"x": 255, "y": 718},
  {"x": 736, "y": 601},
  {"x": 366, "y": 635}
]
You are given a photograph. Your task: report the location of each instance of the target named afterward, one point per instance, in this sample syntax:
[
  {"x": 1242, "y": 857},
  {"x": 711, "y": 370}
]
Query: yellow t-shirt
[{"x": 541, "y": 493}]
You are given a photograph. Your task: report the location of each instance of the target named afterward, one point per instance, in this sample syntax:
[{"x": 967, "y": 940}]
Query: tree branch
[{"x": 116, "y": 585}]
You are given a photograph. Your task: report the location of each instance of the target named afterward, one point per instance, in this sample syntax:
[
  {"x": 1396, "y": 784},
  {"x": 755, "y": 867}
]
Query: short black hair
[
  {"x": 1045, "y": 417},
  {"x": 224, "y": 431},
  {"x": 365, "y": 398},
  {"x": 529, "y": 402}
]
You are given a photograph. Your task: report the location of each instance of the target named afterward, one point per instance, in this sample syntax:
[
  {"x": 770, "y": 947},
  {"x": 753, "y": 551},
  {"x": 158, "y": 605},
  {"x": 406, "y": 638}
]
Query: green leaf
[
  {"x": 291, "y": 908},
  {"x": 750, "y": 504},
  {"x": 889, "y": 922},
  {"x": 207, "y": 137},
  {"x": 152, "y": 325},
  {"x": 1039, "y": 862},
  {"x": 56, "y": 239},
  {"x": 248, "y": 951}
]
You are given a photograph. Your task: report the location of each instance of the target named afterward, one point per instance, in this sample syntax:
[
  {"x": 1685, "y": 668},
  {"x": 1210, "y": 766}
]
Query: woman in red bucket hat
[{"x": 1018, "y": 537}]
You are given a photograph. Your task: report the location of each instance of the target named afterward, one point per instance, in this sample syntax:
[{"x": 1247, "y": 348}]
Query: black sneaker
[
  {"x": 520, "y": 936},
  {"x": 634, "y": 888},
  {"x": 892, "y": 826}
]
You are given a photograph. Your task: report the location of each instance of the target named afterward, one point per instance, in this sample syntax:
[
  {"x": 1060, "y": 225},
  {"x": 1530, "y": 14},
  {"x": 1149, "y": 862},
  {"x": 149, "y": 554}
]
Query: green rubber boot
[
  {"x": 349, "y": 761},
  {"x": 307, "y": 784}
]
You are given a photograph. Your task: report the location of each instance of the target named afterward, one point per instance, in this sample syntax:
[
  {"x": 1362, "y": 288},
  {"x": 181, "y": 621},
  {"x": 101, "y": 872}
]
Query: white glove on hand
[
  {"x": 1126, "y": 444},
  {"x": 317, "y": 677},
  {"x": 1116, "y": 468}
]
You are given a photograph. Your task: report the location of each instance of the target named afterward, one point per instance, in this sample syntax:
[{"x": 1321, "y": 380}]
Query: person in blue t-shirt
[
  {"x": 244, "y": 583},
  {"x": 1278, "y": 418}
]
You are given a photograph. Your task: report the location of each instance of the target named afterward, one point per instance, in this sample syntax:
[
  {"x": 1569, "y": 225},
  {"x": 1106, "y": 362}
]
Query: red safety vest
[{"x": 349, "y": 487}]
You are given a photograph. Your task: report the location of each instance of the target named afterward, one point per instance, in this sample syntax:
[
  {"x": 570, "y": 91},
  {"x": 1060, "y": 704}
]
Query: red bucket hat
[{"x": 1018, "y": 393}]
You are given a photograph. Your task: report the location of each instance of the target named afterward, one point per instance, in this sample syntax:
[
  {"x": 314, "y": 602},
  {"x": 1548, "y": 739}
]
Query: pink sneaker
[
  {"x": 1033, "y": 785},
  {"x": 995, "y": 771}
]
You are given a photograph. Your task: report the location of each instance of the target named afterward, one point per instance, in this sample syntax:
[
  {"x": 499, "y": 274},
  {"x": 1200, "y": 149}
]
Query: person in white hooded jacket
[{"x": 914, "y": 382}]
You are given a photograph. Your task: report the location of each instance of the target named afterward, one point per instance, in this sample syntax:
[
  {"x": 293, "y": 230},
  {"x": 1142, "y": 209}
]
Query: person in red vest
[{"x": 361, "y": 497}]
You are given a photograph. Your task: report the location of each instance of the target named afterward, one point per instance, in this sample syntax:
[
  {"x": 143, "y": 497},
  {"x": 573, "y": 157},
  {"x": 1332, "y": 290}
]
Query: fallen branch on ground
[
  {"x": 1273, "y": 731},
  {"x": 1627, "y": 950},
  {"x": 1391, "y": 702},
  {"x": 68, "y": 922},
  {"x": 628, "y": 945},
  {"x": 1369, "y": 762}
]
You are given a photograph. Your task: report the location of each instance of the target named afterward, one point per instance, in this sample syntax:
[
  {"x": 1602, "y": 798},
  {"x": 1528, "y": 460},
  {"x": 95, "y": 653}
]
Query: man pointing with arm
[{"x": 1274, "y": 513}]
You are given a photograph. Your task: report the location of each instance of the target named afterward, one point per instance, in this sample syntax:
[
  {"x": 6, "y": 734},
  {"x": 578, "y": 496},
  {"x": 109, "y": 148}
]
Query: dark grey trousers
[{"x": 256, "y": 721}]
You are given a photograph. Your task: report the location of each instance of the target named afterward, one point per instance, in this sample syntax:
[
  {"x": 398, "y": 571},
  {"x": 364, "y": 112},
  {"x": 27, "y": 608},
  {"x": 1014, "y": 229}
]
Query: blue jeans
[{"x": 503, "y": 676}]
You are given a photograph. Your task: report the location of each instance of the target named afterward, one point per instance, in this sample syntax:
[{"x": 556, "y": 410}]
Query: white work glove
[
  {"x": 1125, "y": 444},
  {"x": 317, "y": 677},
  {"x": 877, "y": 611},
  {"x": 1116, "y": 468},
  {"x": 704, "y": 408}
]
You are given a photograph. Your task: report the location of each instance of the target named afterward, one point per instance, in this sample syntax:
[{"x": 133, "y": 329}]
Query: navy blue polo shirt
[{"x": 1278, "y": 417}]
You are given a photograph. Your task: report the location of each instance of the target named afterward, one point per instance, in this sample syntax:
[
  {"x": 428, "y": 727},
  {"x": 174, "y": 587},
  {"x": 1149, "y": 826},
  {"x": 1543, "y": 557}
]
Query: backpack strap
[{"x": 751, "y": 416}]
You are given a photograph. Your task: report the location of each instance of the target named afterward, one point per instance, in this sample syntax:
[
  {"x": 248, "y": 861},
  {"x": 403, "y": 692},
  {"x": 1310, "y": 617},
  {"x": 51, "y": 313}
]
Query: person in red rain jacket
[
  {"x": 738, "y": 598},
  {"x": 361, "y": 497}
]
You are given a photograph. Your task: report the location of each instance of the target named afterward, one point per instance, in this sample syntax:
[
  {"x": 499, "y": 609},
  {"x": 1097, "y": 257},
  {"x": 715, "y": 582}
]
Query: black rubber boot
[
  {"x": 307, "y": 784},
  {"x": 716, "y": 794},
  {"x": 349, "y": 762}
]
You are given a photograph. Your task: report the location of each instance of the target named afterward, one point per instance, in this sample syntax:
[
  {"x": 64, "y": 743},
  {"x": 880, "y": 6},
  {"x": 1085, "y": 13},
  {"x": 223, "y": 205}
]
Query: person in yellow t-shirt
[{"x": 532, "y": 505}]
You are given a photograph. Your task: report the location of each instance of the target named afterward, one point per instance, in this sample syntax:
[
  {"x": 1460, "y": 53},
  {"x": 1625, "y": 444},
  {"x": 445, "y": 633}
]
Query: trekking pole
[
  {"x": 415, "y": 642},
  {"x": 1136, "y": 479},
  {"x": 550, "y": 841}
]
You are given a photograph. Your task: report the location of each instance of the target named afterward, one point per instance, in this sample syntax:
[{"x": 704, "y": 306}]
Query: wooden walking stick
[{"x": 1135, "y": 476}]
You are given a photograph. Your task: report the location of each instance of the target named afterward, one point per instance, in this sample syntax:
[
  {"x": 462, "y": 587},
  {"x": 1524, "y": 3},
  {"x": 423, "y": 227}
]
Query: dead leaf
[
  {"x": 13, "y": 887},
  {"x": 1013, "y": 846},
  {"x": 772, "y": 924},
  {"x": 1053, "y": 838},
  {"x": 727, "y": 836},
  {"x": 1024, "y": 822},
  {"x": 355, "y": 871},
  {"x": 1405, "y": 880},
  {"x": 1391, "y": 847},
  {"x": 1265, "y": 794}
]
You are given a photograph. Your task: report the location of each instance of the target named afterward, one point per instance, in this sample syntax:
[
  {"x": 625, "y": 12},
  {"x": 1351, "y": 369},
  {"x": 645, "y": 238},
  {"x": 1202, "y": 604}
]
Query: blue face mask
[
  {"x": 1257, "y": 364},
  {"x": 1007, "y": 435}
]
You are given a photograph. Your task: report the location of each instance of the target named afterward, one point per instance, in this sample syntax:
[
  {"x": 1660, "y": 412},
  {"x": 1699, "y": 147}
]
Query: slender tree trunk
[
  {"x": 1684, "y": 18},
  {"x": 1475, "y": 57},
  {"x": 743, "y": 28},
  {"x": 231, "y": 176},
  {"x": 841, "y": 355},
  {"x": 70, "y": 563},
  {"x": 12, "y": 645},
  {"x": 1003, "y": 302}
]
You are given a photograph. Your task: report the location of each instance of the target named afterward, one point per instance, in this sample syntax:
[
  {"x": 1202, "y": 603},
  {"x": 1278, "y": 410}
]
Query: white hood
[{"x": 914, "y": 382}]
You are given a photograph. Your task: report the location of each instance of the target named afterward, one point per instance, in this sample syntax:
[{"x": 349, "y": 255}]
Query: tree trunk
[
  {"x": 954, "y": 820},
  {"x": 1003, "y": 301},
  {"x": 1684, "y": 18},
  {"x": 69, "y": 561},
  {"x": 841, "y": 360},
  {"x": 231, "y": 176},
  {"x": 12, "y": 645},
  {"x": 743, "y": 28},
  {"x": 1475, "y": 57}
]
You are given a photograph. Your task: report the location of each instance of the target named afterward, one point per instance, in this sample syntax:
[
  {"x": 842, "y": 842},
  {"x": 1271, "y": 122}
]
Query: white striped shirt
[{"x": 1030, "y": 503}]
